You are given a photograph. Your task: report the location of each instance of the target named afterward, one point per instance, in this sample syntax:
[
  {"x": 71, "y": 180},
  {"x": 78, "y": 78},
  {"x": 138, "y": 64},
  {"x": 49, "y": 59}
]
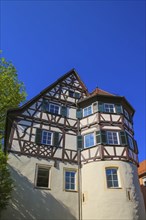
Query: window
[
  {"x": 47, "y": 137},
  {"x": 70, "y": 180},
  {"x": 87, "y": 111},
  {"x": 130, "y": 141},
  {"x": 89, "y": 140},
  {"x": 144, "y": 181},
  {"x": 53, "y": 108},
  {"x": 126, "y": 122},
  {"x": 112, "y": 177},
  {"x": 73, "y": 94},
  {"x": 126, "y": 114},
  {"x": 112, "y": 137},
  {"x": 42, "y": 176},
  {"x": 109, "y": 107}
]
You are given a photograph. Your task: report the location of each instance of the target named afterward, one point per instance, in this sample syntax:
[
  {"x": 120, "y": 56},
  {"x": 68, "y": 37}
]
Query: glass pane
[
  {"x": 72, "y": 180},
  {"x": 108, "y": 171},
  {"x": 109, "y": 184},
  {"x": 43, "y": 177},
  {"x": 72, "y": 174},
  {"x": 85, "y": 112},
  {"x": 67, "y": 173},
  {"x": 114, "y": 171},
  {"x": 89, "y": 110},
  {"x": 42, "y": 172},
  {"x": 109, "y": 177},
  {"x": 115, "y": 177},
  {"x": 72, "y": 186},
  {"x": 66, "y": 186},
  {"x": 44, "y": 134},
  {"x": 67, "y": 179},
  {"x": 115, "y": 183},
  {"x": 71, "y": 93},
  {"x": 89, "y": 140}
]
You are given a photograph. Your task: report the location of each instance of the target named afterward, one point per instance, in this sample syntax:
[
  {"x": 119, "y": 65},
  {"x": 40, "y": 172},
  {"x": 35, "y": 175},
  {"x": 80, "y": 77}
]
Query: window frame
[
  {"x": 130, "y": 142},
  {"x": 144, "y": 181},
  {"x": 75, "y": 180},
  {"x": 71, "y": 93},
  {"x": 55, "y": 105},
  {"x": 90, "y": 106},
  {"x": 117, "y": 136},
  {"x": 74, "y": 94},
  {"x": 51, "y": 141},
  {"x": 126, "y": 114},
  {"x": 42, "y": 166},
  {"x": 112, "y": 179},
  {"x": 109, "y": 104},
  {"x": 93, "y": 140}
]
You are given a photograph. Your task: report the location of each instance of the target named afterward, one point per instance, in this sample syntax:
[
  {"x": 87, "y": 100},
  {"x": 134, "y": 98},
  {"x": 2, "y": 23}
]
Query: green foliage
[
  {"x": 6, "y": 183},
  {"x": 12, "y": 94},
  {"x": 12, "y": 91}
]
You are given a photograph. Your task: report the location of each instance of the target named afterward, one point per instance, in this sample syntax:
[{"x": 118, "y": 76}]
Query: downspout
[{"x": 79, "y": 186}]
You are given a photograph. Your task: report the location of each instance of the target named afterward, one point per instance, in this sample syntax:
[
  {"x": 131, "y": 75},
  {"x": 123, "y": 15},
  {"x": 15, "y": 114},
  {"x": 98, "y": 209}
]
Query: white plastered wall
[
  {"x": 29, "y": 202},
  {"x": 103, "y": 203}
]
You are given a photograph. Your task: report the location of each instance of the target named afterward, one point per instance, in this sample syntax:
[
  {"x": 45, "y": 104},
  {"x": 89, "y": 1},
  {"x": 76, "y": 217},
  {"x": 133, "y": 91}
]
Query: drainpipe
[{"x": 79, "y": 186}]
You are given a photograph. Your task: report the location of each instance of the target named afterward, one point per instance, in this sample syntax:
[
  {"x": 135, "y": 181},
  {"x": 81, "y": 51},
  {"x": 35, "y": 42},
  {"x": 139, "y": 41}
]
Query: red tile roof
[{"x": 98, "y": 91}]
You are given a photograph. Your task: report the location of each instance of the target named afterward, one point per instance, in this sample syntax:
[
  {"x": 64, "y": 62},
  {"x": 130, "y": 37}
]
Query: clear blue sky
[{"x": 103, "y": 40}]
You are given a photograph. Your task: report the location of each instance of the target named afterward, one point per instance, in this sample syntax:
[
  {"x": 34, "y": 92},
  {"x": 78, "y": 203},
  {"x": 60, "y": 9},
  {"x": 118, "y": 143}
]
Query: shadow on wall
[{"x": 30, "y": 203}]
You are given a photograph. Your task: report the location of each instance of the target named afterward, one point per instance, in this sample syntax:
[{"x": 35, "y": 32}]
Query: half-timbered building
[{"x": 73, "y": 155}]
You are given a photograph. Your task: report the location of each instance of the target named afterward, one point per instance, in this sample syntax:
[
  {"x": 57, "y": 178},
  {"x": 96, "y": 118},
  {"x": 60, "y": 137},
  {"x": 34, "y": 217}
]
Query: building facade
[
  {"x": 73, "y": 155},
  {"x": 142, "y": 178}
]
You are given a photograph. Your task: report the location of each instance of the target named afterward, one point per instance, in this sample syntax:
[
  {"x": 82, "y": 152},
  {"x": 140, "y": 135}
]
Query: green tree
[
  {"x": 6, "y": 182},
  {"x": 12, "y": 91},
  {"x": 12, "y": 94}
]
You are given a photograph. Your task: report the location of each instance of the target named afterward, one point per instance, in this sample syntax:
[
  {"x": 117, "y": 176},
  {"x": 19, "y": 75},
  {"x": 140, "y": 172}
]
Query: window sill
[
  {"x": 69, "y": 190},
  {"x": 42, "y": 188},
  {"x": 114, "y": 187},
  {"x": 89, "y": 146}
]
